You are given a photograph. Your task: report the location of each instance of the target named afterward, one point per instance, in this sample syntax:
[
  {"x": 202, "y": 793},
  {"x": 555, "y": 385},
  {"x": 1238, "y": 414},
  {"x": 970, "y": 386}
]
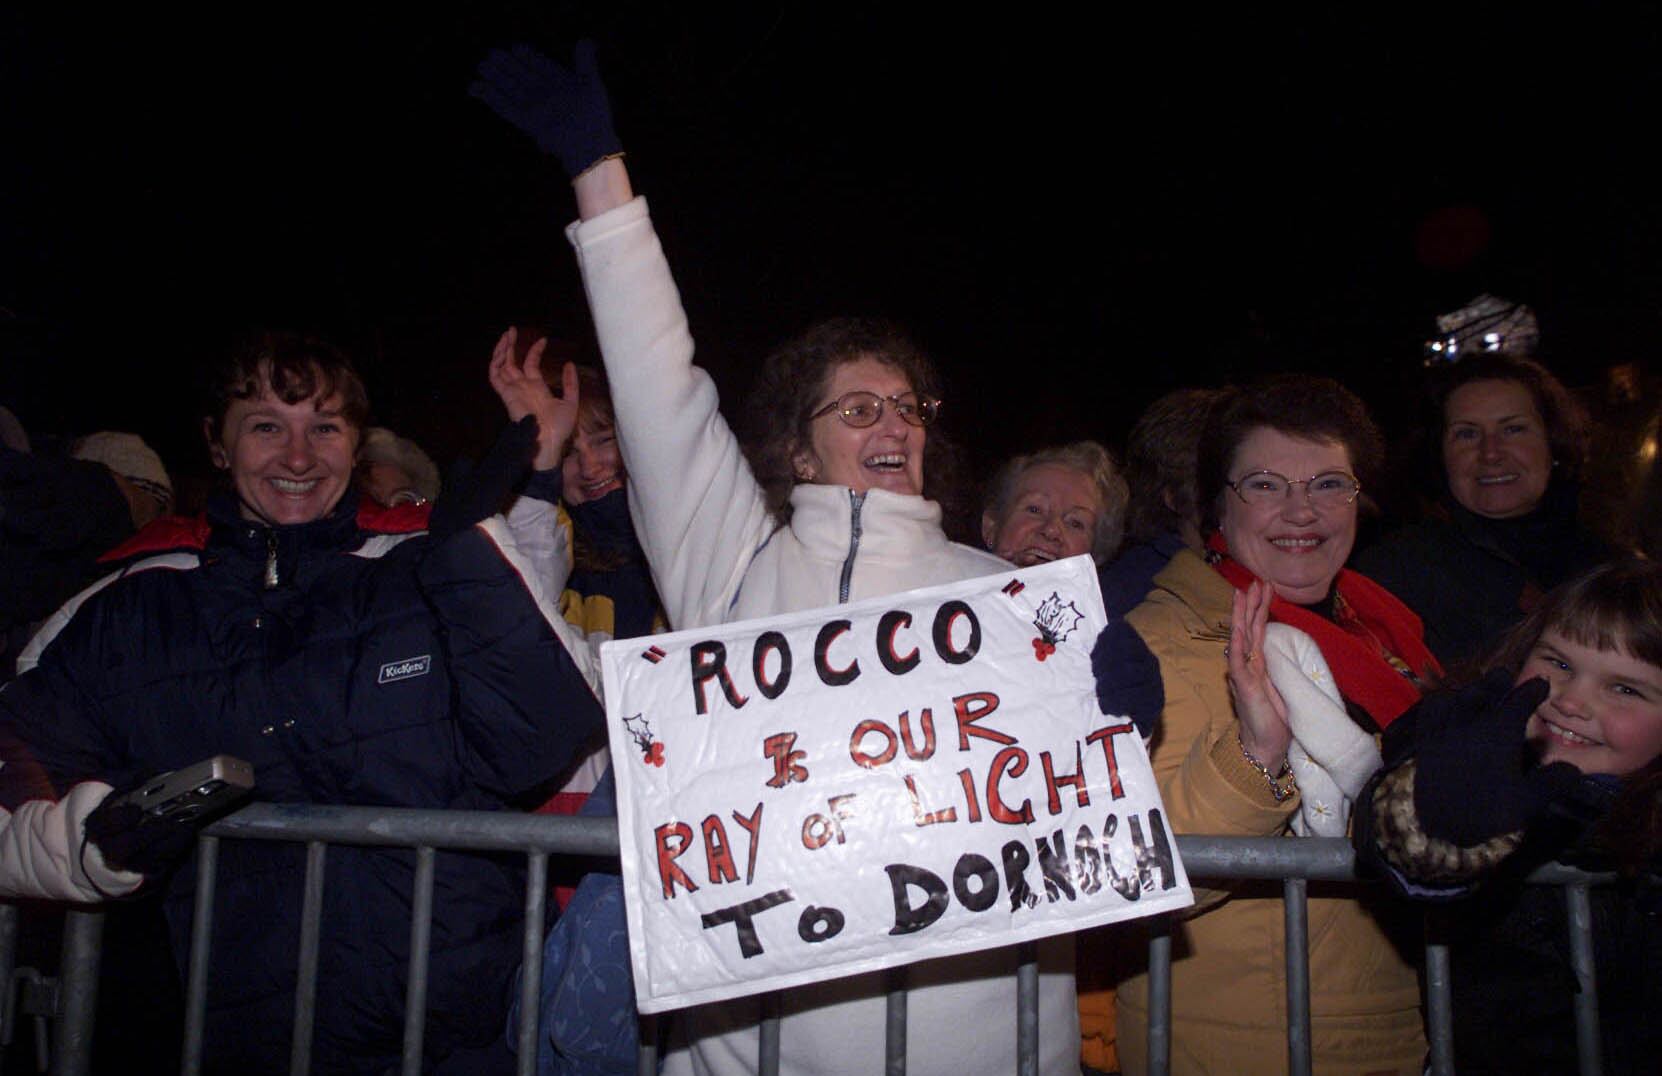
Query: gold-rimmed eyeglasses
[
  {"x": 862, "y": 409},
  {"x": 1330, "y": 489}
]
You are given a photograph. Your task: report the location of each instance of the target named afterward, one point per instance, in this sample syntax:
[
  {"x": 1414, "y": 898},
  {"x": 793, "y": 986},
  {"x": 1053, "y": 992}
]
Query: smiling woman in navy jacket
[{"x": 352, "y": 655}]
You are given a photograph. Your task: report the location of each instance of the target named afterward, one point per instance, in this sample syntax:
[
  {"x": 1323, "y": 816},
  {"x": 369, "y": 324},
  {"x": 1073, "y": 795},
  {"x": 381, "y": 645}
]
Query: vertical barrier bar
[
  {"x": 1027, "y": 1009},
  {"x": 1439, "y": 1001},
  {"x": 305, "y": 986},
  {"x": 1588, "y": 1049},
  {"x": 421, "y": 934},
  {"x": 78, "y": 1003},
  {"x": 201, "y": 931},
  {"x": 8, "y": 961},
  {"x": 894, "y": 1039},
  {"x": 530, "y": 957},
  {"x": 647, "y": 1063},
  {"x": 1294, "y": 892},
  {"x": 1159, "y": 995},
  {"x": 767, "y": 1037}
]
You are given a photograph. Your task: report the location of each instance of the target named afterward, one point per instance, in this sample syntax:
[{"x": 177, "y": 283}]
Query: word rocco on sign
[{"x": 831, "y": 792}]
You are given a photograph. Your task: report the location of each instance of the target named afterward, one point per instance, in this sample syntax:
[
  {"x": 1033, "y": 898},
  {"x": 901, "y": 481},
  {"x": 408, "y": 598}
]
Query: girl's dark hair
[
  {"x": 1567, "y": 425},
  {"x": 792, "y": 384},
  {"x": 1616, "y": 606},
  {"x": 292, "y": 366},
  {"x": 1298, "y": 405}
]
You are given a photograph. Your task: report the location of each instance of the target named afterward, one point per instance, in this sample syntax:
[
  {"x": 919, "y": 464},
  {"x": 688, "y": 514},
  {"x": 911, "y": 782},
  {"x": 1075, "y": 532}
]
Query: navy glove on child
[{"x": 1475, "y": 777}]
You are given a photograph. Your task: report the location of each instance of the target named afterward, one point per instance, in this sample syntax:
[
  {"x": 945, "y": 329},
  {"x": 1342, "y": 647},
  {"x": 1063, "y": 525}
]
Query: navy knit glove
[
  {"x": 565, "y": 109},
  {"x": 1128, "y": 679},
  {"x": 1475, "y": 777},
  {"x": 129, "y": 840},
  {"x": 487, "y": 487}
]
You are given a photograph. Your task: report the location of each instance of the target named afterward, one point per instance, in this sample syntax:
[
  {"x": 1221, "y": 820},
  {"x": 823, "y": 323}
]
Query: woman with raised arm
[{"x": 833, "y": 508}]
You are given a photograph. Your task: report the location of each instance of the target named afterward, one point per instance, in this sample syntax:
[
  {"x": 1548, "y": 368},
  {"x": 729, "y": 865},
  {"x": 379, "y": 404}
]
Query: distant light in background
[{"x": 1486, "y": 324}]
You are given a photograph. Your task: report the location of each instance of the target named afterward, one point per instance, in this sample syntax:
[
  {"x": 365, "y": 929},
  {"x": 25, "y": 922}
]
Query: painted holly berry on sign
[
  {"x": 652, "y": 751},
  {"x": 1056, "y": 620}
]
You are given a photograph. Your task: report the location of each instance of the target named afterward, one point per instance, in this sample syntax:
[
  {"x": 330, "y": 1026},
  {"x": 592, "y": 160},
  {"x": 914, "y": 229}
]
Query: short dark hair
[
  {"x": 1160, "y": 460},
  {"x": 294, "y": 367},
  {"x": 792, "y": 381},
  {"x": 1304, "y": 406},
  {"x": 1567, "y": 425}
]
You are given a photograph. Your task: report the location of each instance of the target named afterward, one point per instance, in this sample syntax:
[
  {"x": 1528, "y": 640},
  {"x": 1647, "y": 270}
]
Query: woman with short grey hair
[{"x": 1057, "y": 502}]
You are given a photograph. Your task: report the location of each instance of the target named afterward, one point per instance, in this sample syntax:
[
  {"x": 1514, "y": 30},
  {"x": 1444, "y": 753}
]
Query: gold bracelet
[
  {"x": 1282, "y": 784},
  {"x": 598, "y": 161}
]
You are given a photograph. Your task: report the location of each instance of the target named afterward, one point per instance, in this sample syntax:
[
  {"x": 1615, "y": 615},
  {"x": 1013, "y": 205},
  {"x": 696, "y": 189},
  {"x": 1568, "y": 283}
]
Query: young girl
[
  {"x": 588, "y": 1025},
  {"x": 1556, "y": 753}
]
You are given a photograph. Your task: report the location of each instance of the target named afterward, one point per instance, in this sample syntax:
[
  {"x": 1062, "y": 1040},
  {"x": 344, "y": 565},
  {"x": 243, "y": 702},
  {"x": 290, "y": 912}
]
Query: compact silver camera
[{"x": 186, "y": 794}]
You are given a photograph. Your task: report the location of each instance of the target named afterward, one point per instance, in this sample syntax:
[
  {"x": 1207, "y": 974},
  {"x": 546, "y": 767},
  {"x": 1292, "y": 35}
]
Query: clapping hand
[{"x": 1265, "y": 733}]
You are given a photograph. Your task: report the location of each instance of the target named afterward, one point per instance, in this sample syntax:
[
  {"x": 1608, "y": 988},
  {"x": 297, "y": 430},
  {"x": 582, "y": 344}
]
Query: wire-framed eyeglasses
[
  {"x": 1330, "y": 489},
  {"x": 861, "y": 409}
]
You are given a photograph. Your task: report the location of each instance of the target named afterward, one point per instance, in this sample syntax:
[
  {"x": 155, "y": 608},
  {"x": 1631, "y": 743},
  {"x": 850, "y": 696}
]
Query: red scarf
[{"x": 1374, "y": 645}]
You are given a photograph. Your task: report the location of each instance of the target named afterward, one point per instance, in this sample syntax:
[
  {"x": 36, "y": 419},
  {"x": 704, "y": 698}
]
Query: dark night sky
[{"x": 1074, "y": 212}]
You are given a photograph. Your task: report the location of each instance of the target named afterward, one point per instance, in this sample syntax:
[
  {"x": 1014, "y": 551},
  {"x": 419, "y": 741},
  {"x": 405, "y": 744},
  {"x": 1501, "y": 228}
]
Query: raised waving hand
[{"x": 523, "y": 392}]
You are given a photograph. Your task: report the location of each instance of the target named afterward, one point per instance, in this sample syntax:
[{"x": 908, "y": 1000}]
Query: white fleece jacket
[
  {"x": 716, "y": 556},
  {"x": 40, "y": 851}
]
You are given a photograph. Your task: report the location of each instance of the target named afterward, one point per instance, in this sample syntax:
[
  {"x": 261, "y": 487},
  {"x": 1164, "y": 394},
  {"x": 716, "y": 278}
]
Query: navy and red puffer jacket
[{"x": 353, "y": 660}]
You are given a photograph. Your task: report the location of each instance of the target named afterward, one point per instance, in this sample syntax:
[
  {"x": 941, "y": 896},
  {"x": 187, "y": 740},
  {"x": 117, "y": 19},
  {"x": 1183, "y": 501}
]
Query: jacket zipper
[
  {"x": 271, "y": 579},
  {"x": 857, "y": 501}
]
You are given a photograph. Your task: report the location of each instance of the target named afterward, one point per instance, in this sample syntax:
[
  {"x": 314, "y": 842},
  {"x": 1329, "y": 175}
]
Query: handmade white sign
[{"x": 830, "y": 792}]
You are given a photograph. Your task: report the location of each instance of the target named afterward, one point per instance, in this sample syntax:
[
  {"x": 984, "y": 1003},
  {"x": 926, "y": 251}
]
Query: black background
[{"x": 1074, "y": 208}]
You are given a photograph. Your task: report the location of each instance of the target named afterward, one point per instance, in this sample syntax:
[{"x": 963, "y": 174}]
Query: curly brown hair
[
  {"x": 1304, "y": 406},
  {"x": 792, "y": 383}
]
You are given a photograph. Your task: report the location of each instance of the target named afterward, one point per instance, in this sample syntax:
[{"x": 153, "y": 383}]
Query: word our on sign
[{"x": 830, "y": 792}]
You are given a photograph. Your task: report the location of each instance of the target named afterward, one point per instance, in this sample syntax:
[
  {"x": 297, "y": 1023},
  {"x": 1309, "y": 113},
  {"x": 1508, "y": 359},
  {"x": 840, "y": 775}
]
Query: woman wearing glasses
[
  {"x": 834, "y": 506},
  {"x": 1270, "y": 731}
]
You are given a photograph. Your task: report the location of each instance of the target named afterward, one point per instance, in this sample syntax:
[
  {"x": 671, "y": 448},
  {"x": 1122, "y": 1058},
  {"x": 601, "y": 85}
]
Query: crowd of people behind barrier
[{"x": 1481, "y": 693}]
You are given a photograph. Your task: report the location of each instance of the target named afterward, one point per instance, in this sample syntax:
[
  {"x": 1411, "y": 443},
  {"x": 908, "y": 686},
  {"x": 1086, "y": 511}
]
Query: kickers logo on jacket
[{"x": 403, "y": 670}]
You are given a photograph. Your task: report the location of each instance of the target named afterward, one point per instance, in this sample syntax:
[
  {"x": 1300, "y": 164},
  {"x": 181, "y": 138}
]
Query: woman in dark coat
[{"x": 1511, "y": 442}]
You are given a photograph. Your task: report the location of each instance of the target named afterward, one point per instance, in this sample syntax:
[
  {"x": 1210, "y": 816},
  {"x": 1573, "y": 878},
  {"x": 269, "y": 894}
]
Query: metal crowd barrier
[{"x": 1293, "y": 862}]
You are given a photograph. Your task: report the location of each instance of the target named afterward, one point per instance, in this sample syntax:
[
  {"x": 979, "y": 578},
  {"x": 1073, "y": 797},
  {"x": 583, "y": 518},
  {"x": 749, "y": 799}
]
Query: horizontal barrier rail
[{"x": 1294, "y": 862}]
